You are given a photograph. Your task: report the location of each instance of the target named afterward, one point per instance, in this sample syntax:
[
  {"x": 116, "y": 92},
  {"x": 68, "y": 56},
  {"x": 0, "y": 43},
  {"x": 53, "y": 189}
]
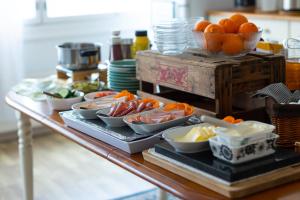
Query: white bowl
[
  {"x": 64, "y": 104},
  {"x": 110, "y": 121},
  {"x": 91, "y": 96},
  {"x": 185, "y": 147},
  {"x": 152, "y": 128},
  {"x": 245, "y": 153},
  {"x": 89, "y": 113}
]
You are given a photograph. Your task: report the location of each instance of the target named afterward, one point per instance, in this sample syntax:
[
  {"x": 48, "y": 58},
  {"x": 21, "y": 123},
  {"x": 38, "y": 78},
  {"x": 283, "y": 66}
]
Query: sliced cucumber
[{"x": 64, "y": 93}]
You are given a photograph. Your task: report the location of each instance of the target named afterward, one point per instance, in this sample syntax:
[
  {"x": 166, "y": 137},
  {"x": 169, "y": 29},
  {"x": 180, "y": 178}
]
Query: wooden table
[{"x": 166, "y": 180}]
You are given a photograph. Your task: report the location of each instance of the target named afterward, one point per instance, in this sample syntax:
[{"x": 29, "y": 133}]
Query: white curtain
[{"x": 11, "y": 42}]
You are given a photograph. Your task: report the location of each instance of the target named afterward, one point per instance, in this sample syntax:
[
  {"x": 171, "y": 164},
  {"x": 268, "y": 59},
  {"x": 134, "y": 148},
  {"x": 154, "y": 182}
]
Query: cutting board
[{"x": 235, "y": 189}]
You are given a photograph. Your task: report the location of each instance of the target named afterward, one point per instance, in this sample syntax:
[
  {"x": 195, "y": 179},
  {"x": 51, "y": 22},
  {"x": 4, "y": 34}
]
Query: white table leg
[
  {"x": 162, "y": 195},
  {"x": 25, "y": 153}
]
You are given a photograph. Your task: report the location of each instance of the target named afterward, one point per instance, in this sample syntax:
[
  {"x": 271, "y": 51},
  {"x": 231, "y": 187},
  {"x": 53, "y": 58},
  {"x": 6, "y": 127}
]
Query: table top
[{"x": 135, "y": 163}]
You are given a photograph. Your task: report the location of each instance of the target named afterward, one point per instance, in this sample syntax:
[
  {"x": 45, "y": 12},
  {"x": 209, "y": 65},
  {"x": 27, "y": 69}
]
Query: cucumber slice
[{"x": 64, "y": 93}]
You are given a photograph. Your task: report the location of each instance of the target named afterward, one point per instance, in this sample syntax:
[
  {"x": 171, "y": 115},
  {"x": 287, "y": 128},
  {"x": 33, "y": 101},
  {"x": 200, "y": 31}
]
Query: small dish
[
  {"x": 171, "y": 134},
  {"x": 245, "y": 153},
  {"x": 88, "y": 110},
  {"x": 92, "y": 96},
  {"x": 108, "y": 120},
  {"x": 64, "y": 104},
  {"x": 151, "y": 128}
]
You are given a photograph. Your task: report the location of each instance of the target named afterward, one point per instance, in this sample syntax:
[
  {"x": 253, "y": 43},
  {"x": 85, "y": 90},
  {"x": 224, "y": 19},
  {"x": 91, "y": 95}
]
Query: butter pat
[{"x": 197, "y": 134}]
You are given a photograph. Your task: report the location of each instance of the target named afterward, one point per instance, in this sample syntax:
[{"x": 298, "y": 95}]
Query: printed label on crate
[{"x": 173, "y": 75}]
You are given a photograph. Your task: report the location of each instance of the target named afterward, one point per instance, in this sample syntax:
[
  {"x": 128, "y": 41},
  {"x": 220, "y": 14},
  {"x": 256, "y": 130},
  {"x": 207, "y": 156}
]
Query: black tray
[{"x": 205, "y": 161}]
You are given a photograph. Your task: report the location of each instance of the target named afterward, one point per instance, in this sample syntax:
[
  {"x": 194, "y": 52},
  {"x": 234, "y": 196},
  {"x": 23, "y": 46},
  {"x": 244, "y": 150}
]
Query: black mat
[{"x": 206, "y": 162}]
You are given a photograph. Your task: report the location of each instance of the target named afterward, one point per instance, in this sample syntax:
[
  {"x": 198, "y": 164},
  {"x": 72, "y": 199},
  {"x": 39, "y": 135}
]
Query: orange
[
  {"x": 233, "y": 44},
  {"x": 248, "y": 28},
  {"x": 214, "y": 28},
  {"x": 239, "y": 19},
  {"x": 201, "y": 25},
  {"x": 228, "y": 25},
  {"x": 213, "y": 35}
]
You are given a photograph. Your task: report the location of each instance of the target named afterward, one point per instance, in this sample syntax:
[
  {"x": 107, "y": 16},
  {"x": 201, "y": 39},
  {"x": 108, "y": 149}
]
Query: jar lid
[{"x": 141, "y": 33}]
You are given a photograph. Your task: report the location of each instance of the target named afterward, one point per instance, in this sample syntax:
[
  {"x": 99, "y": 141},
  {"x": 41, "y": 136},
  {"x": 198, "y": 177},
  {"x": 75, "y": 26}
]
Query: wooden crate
[{"x": 216, "y": 82}]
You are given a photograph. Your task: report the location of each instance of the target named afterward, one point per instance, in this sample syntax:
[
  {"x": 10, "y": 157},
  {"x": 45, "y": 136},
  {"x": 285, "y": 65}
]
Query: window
[
  {"x": 29, "y": 9},
  {"x": 45, "y": 10}
]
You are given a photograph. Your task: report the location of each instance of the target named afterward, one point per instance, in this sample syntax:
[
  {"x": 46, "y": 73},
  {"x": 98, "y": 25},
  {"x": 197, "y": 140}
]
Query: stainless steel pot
[
  {"x": 291, "y": 5},
  {"x": 79, "y": 56}
]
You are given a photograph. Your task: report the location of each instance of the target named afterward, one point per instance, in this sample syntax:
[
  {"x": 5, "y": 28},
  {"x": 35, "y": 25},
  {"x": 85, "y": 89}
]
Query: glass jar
[{"x": 292, "y": 75}]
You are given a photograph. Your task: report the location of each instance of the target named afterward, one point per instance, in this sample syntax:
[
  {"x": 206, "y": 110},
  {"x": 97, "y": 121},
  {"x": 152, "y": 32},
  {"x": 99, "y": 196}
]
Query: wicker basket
[{"x": 286, "y": 119}]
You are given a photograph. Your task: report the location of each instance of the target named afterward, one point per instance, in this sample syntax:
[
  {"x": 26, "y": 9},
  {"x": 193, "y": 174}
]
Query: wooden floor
[{"x": 65, "y": 171}]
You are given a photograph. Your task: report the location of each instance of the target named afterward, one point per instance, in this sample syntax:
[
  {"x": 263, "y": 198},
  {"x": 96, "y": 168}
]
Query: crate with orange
[{"x": 234, "y": 36}]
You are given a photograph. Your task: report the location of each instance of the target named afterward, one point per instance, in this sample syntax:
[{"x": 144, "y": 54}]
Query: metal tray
[{"x": 123, "y": 138}]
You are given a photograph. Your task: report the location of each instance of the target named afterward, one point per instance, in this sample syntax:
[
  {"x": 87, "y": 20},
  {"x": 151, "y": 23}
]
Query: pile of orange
[{"x": 228, "y": 36}]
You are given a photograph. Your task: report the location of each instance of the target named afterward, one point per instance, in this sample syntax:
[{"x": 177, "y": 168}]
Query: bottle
[
  {"x": 292, "y": 73},
  {"x": 115, "y": 47},
  {"x": 127, "y": 48},
  {"x": 141, "y": 42}
]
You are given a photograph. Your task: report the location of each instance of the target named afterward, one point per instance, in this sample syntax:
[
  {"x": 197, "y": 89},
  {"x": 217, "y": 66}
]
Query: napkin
[{"x": 279, "y": 92}]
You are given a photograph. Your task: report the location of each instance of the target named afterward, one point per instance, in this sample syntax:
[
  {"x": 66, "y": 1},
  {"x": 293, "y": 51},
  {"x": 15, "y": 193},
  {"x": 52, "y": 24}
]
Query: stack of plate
[{"x": 122, "y": 76}]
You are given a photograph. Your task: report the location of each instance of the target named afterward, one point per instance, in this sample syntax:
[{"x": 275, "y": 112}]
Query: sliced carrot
[
  {"x": 188, "y": 110},
  {"x": 238, "y": 121},
  {"x": 229, "y": 119},
  {"x": 124, "y": 93}
]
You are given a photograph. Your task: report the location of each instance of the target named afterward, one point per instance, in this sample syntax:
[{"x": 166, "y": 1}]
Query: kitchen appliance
[
  {"x": 244, "y": 4},
  {"x": 291, "y": 5},
  {"x": 267, "y": 5},
  {"x": 79, "y": 56}
]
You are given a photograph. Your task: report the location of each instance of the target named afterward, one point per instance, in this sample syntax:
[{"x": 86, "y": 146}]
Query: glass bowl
[
  {"x": 170, "y": 37},
  {"x": 226, "y": 44}
]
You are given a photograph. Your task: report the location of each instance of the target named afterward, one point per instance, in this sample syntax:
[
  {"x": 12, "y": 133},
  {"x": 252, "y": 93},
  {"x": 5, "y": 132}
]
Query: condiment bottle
[
  {"x": 141, "y": 42},
  {"x": 115, "y": 48},
  {"x": 292, "y": 74},
  {"x": 127, "y": 44}
]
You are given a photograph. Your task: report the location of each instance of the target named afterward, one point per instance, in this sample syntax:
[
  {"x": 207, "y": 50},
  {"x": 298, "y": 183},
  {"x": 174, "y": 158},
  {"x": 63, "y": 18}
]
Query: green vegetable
[
  {"x": 66, "y": 93},
  {"x": 86, "y": 87}
]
